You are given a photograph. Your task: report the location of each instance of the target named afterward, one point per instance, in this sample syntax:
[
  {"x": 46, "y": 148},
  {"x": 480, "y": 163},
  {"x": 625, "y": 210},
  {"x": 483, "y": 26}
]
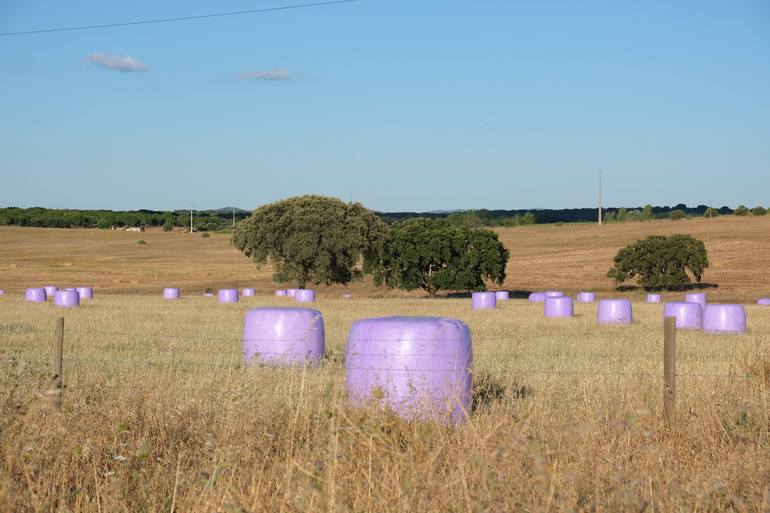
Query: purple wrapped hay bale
[
  {"x": 420, "y": 367},
  {"x": 283, "y": 336},
  {"x": 304, "y": 296},
  {"x": 689, "y": 316},
  {"x": 765, "y": 301},
  {"x": 537, "y": 297},
  {"x": 719, "y": 318},
  {"x": 2, "y": 292},
  {"x": 66, "y": 298},
  {"x": 696, "y": 297},
  {"x": 614, "y": 311},
  {"x": 281, "y": 293},
  {"x": 228, "y": 295},
  {"x": 483, "y": 300},
  {"x": 502, "y": 295},
  {"x": 35, "y": 295},
  {"x": 248, "y": 292},
  {"x": 291, "y": 292},
  {"x": 50, "y": 290},
  {"x": 653, "y": 298},
  {"x": 171, "y": 293},
  {"x": 558, "y": 306},
  {"x": 554, "y": 293},
  {"x": 85, "y": 292},
  {"x": 586, "y": 297}
]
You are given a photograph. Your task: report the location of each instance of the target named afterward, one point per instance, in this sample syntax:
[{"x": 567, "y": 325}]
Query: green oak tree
[
  {"x": 661, "y": 262},
  {"x": 312, "y": 239},
  {"x": 435, "y": 255}
]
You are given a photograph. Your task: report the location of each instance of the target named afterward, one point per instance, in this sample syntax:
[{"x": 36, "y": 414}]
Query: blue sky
[{"x": 402, "y": 105}]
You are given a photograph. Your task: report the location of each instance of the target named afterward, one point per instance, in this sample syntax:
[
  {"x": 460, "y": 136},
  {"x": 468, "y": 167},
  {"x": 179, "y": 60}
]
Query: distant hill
[{"x": 229, "y": 210}]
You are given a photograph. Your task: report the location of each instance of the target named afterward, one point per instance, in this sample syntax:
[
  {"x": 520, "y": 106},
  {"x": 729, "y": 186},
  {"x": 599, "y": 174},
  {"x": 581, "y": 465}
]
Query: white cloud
[
  {"x": 272, "y": 74},
  {"x": 125, "y": 63}
]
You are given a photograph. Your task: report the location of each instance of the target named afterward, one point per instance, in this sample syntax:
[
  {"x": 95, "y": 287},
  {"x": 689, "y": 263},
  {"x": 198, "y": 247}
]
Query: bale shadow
[
  {"x": 488, "y": 390},
  {"x": 677, "y": 288},
  {"x": 515, "y": 294}
]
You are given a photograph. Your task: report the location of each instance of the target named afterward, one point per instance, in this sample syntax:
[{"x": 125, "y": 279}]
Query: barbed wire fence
[{"x": 332, "y": 366}]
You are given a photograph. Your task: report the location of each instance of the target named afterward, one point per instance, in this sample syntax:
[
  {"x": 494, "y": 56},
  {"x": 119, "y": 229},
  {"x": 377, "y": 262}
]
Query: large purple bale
[
  {"x": 248, "y": 292},
  {"x": 558, "y": 306},
  {"x": 228, "y": 295},
  {"x": 66, "y": 299},
  {"x": 281, "y": 293},
  {"x": 689, "y": 316},
  {"x": 653, "y": 298},
  {"x": 35, "y": 295},
  {"x": 696, "y": 297},
  {"x": 765, "y": 301},
  {"x": 171, "y": 293},
  {"x": 554, "y": 293},
  {"x": 537, "y": 297},
  {"x": 420, "y": 367},
  {"x": 502, "y": 295},
  {"x": 586, "y": 297},
  {"x": 724, "y": 319},
  {"x": 483, "y": 300},
  {"x": 615, "y": 311},
  {"x": 283, "y": 336},
  {"x": 291, "y": 292},
  {"x": 304, "y": 296},
  {"x": 50, "y": 290},
  {"x": 85, "y": 292}
]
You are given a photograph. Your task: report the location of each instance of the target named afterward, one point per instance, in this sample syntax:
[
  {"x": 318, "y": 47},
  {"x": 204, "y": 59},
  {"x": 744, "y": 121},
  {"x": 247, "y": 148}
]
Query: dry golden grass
[
  {"x": 570, "y": 257},
  {"x": 159, "y": 415}
]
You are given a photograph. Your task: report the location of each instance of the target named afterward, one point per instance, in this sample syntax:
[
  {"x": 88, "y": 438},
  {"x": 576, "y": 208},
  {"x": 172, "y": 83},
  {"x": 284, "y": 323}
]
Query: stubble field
[{"x": 159, "y": 413}]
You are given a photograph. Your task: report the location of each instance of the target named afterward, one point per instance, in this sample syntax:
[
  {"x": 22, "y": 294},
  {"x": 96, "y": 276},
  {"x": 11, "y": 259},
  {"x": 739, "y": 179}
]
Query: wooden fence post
[
  {"x": 53, "y": 394},
  {"x": 669, "y": 369}
]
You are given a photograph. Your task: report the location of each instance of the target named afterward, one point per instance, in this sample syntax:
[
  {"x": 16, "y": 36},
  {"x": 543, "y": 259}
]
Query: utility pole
[
  {"x": 233, "y": 217},
  {"x": 191, "y": 217},
  {"x": 600, "y": 197}
]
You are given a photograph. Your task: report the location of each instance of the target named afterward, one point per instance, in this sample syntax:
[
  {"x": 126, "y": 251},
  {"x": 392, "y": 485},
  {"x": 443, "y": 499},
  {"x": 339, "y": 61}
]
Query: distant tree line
[
  {"x": 203, "y": 220},
  {"x": 218, "y": 220}
]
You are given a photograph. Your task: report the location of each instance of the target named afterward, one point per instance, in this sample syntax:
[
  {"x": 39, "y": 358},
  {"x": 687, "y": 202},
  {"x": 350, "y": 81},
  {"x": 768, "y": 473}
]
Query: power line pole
[
  {"x": 600, "y": 197},
  {"x": 191, "y": 218},
  {"x": 233, "y": 217}
]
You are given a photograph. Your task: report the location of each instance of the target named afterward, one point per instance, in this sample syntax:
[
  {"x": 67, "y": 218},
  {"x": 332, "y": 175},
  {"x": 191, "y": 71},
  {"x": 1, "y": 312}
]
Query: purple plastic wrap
[
  {"x": 85, "y": 292},
  {"x": 483, "y": 300},
  {"x": 248, "y": 292},
  {"x": 347, "y": 296},
  {"x": 696, "y": 297},
  {"x": 2, "y": 292},
  {"x": 420, "y": 367},
  {"x": 304, "y": 296},
  {"x": 208, "y": 294},
  {"x": 502, "y": 295},
  {"x": 35, "y": 295},
  {"x": 281, "y": 293},
  {"x": 554, "y": 293},
  {"x": 653, "y": 298},
  {"x": 171, "y": 293},
  {"x": 291, "y": 292},
  {"x": 724, "y": 319},
  {"x": 50, "y": 290},
  {"x": 228, "y": 295},
  {"x": 537, "y": 297},
  {"x": 689, "y": 316},
  {"x": 586, "y": 297},
  {"x": 765, "y": 301},
  {"x": 283, "y": 336},
  {"x": 66, "y": 298},
  {"x": 560, "y": 306},
  {"x": 615, "y": 311}
]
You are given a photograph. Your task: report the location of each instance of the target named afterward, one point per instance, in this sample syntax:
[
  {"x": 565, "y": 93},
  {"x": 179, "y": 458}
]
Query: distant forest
[{"x": 222, "y": 219}]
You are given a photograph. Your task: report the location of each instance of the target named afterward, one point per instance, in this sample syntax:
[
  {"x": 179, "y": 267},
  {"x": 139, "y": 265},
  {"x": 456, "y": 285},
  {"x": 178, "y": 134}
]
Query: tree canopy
[
  {"x": 312, "y": 239},
  {"x": 434, "y": 255},
  {"x": 661, "y": 262}
]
